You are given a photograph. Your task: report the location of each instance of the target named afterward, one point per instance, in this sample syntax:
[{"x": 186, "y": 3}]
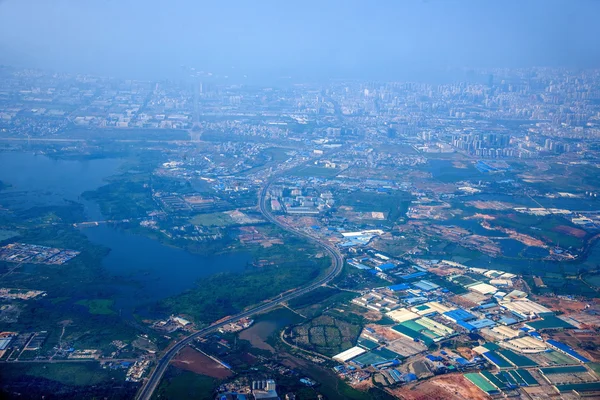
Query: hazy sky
[{"x": 326, "y": 38}]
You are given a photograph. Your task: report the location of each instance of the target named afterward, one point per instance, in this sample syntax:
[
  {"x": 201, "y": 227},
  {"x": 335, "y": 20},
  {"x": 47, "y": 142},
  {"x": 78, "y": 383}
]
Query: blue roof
[
  {"x": 462, "y": 361},
  {"x": 490, "y": 356},
  {"x": 459, "y": 315},
  {"x": 568, "y": 350},
  {"x": 425, "y": 285},
  {"x": 398, "y": 287},
  {"x": 465, "y": 325},
  {"x": 413, "y": 275},
  {"x": 410, "y": 377},
  {"x": 508, "y": 320},
  {"x": 386, "y": 266}
]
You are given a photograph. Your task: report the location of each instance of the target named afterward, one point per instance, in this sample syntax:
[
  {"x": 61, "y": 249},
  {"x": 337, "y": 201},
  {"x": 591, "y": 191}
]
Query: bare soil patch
[
  {"x": 447, "y": 387},
  {"x": 569, "y": 230},
  {"x": 192, "y": 360}
]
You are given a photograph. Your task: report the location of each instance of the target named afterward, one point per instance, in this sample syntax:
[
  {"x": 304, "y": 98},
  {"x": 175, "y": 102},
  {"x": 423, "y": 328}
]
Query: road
[{"x": 154, "y": 378}]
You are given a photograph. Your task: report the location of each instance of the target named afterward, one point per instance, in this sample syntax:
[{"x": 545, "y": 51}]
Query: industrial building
[
  {"x": 265, "y": 390},
  {"x": 349, "y": 354},
  {"x": 483, "y": 288},
  {"x": 525, "y": 345},
  {"x": 458, "y": 315},
  {"x": 402, "y": 314},
  {"x": 430, "y": 308},
  {"x": 526, "y": 309},
  {"x": 425, "y": 285}
]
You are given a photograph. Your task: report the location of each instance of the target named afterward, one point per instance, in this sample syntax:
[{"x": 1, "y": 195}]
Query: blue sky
[{"x": 356, "y": 39}]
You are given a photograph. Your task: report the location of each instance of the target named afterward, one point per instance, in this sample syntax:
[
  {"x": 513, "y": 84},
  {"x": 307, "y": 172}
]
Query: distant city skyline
[{"x": 352, "y": 39}]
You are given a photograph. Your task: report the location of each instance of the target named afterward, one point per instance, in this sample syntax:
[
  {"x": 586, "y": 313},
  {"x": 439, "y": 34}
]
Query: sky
[{"x": 391, "y": 39}]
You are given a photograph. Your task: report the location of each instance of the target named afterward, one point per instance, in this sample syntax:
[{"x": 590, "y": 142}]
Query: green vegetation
[
  {"x": 393, "y": 204},
  {"x": 218, "y": 219},
  {"x": 354, "y": 278},
  {"x": 64, "y": 381},
  {"x": 326, "y": 335},
  {"x": 314, "y": 171},
  {"x": 98, "y": 306},
  {"x": 323, "y": 298},
  {"x": 78, "y": 374},
  {"x": 316, "y": 296},
  {"x": 127, "y": 197},
  {"x": 544, "y": 228},
  {"x": 6, "y": 234},
  {"x": 66, "y": 284},
  {"x": 179, "y": 384},
  {"x": 225, "y": 294}
]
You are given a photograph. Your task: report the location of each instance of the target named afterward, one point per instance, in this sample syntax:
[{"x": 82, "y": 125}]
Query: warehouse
[
  {"x": 506, "y": 333},
  {"x": 482, "y": 383},
  {"x": 567, "y": 350},
  {"x": 4, "y": 342},
  {"x": 431, "y": 308},
  {"x": 442, "y": 331},
  {"x": 402, "y": 314},
  {"x": 525, "y": 309},
  {"x": 399, "y": 287},
  {"x": 549, "y": 322},
  {"x": 482, "y": 323},
  {"x": 483, "y": 288},
  {"x": 385, "y": 267},
  {"x": 349, "y": 354},
  {"x": 458, "y": 315},
  {"x": 526, "y": 344},
  {"x": 426, "y": 285}
]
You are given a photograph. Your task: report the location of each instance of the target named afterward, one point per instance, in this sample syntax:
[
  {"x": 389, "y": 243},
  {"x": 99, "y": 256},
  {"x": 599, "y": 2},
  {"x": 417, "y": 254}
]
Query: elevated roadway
[{"x": 155, "y": 376}]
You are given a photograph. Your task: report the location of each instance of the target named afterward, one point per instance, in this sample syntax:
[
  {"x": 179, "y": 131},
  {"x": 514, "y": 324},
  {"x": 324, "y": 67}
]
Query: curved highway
[{"x": 153, "y": 380}]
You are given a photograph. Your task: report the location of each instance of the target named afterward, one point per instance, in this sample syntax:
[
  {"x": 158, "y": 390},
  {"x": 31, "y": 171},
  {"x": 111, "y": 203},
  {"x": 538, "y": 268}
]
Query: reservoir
[{"x": 140, "y": 270}]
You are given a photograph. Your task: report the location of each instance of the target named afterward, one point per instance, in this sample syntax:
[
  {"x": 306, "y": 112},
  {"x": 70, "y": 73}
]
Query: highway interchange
[{"x": 155, "y": 376}]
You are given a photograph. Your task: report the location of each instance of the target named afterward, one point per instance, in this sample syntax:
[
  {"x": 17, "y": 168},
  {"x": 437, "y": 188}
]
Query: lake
[{"x": 144, "y": 270}]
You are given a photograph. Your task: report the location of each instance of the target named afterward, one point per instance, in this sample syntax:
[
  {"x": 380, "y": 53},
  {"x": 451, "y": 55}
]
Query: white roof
[
  {"x": 349, "y": 354},
  {"x": 483, "y": 288},
  {"x": 402, "y": 315},
  {"x": 525, "y": 306},
  {"x": 506, "y": 331}
]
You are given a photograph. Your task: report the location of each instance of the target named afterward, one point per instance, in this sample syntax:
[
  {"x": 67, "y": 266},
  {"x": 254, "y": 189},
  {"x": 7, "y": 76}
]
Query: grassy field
[
  {"x": 178, "y": 384},
  {"x": 7, "y": 234},
  {"x": 98, "y": 306},
  {"x": 218, "y": 219},
  {"x": 393, "y": 204},
  {"x": 75, "y": 374},
  {"x": 225, "y": 294}
]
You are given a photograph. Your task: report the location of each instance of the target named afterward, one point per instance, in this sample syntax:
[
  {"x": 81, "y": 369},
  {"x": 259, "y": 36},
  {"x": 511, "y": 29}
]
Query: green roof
[
  {"x": 574, "y": 369},
  {"x": 412, "y": 334},
  {"x": 557, "y": 358},
  {"x": 482, "y": 383},
  {"x": 494, "y": 379},
  {"x": 517, "y": 359},
  {"x": 491, "y": 346},
  {"x": 550, "y": 322},
  {"x": 367, "y": 344},
  {"x": 580, "y": 387},
  {"x": 527, "y": 377}
]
